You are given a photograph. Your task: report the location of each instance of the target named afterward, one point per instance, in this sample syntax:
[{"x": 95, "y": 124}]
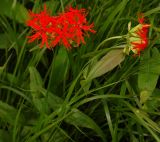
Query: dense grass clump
[{"x": 92, "y": 91}]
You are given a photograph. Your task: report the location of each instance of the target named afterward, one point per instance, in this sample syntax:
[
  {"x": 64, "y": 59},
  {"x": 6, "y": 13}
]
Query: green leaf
[
  {"x": 21, "y": 13},
  {"x": 4, "y": 42},
  {"x": 4, "y": 136},
  {"x": 41, "y": 105},
  {"x": 8, "y": 113},
  {"x": 13, "y": 10},
  {"x": 106, "y": 64},
  {"x": 59, "y": 135},
  {"x": 79, "y": 119},
  {"x": 144, "y": 120},
  {"x": 59, "y": 69},
  {"x": 35, "y": 82},
  {"x": 149, "y": 71},
  {"x": 36, "y": 86},
  {"x": 152, "y": 103},
  {"x": 108, "y": 117},
  {"x": 53, "y": 101},
  {"x": 16, "y": 91}
]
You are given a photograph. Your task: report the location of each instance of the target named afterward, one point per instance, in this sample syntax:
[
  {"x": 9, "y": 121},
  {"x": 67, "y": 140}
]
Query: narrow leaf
[
  {"x": 8, "y": 113},
  {"x": 79, "y": 119}
]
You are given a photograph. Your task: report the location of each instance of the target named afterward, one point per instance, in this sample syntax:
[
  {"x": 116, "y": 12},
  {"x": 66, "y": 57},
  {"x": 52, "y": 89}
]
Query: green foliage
[
  {"x": 59, "y": 69},
  {"x": 13, "y": 10},
  {"x": 91, "y": 93},
  {"x": 149, "y": 71},
  {"x": 5, "y": 137},
  {"x": 79, "y": 119},
  {"x": 148, "y": 74},
  {"x": 8, "y": 113}
]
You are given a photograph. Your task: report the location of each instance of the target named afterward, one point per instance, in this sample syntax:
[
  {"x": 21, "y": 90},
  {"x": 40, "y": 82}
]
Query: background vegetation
[{"x": 61, "y": 95}]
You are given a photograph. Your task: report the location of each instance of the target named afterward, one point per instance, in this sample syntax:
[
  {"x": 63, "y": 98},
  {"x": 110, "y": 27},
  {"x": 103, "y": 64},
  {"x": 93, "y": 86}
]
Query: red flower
[
  {"x": 41, "y": 24},
  {"x": 71, "y": 27},
  {"x": 67, "y": 28},
  {"x": 140, "y": 39}
]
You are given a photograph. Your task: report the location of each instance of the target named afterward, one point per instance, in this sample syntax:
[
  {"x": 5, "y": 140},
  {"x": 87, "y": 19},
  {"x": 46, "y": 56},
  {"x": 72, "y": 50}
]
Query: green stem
[
  {"x": 111, "y": 38},
  {"x": 62, "y": 5}
]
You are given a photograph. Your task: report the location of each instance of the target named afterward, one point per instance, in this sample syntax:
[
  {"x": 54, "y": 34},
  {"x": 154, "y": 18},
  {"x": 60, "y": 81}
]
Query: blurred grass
[{"x": 43, "y": 98}]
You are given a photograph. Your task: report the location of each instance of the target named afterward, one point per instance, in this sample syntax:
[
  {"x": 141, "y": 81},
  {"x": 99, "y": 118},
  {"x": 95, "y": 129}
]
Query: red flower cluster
[
  {"x": 67, "y": 28},
  {"x": 142, "y": 35}
]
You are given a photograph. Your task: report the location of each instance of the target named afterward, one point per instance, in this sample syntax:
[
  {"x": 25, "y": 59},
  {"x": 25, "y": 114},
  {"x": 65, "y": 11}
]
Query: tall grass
[{"x": 47, "y": 96}]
